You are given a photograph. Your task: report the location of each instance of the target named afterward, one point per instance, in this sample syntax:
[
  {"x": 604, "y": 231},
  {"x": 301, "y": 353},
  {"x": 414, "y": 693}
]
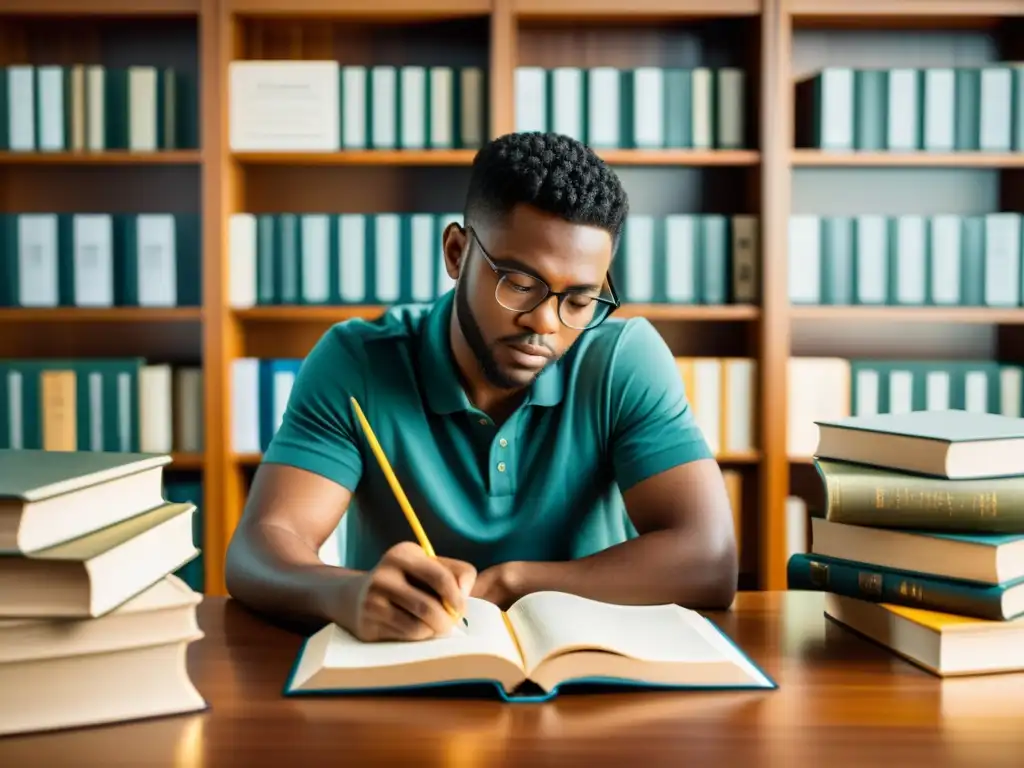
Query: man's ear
[{"x": 455, "y": 244}]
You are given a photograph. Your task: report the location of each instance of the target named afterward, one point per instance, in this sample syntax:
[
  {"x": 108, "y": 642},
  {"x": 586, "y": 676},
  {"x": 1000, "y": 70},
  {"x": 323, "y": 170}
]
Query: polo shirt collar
[{"x": 441, "y": 382}]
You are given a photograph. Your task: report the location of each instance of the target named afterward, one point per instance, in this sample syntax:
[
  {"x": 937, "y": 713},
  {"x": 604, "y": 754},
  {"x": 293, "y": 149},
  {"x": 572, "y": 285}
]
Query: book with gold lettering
[
  {"x": 886, "y": 498},
  {"x": 544, "y": 643},
  {"x": 883, "y": 584}
]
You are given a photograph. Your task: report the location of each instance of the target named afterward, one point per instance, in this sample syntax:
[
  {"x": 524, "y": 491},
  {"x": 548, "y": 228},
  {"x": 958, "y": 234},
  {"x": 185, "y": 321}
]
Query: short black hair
[{"x": 550, "y": 171}]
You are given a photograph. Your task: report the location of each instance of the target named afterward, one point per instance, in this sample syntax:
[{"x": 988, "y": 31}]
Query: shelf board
[
  {"x": 382, "y": 157},
  {"x": 860, "y": 314},
  {"x": 823, "y": 159},
  {"x": 169, "y": 157},
  {"x": 185, "y": 461},
  {"x": 389, "y": 10},
  {"x": 698, "y": 312},
  {"x": 309, "y": 314},
  {"x": 335, "y": 314},
  {"x": 868, "y": 9},
  {"x": 680, "y": 157},
  {"x": 448, "y": 157},
  {"x": 100, "y": 314},
  {"x": 638, "y": 10},
  {"x": 103, "y": 7}
]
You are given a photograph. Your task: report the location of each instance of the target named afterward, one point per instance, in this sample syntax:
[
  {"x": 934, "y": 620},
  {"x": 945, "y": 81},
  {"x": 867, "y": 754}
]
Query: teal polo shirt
[{"x": 546, "y": 484}]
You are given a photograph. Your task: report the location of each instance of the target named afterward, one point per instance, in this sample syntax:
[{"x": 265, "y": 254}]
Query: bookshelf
[{"x": 773, "y": 42}]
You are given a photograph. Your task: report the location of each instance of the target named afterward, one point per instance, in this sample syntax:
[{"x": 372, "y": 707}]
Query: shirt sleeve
[
  {"x": 654, "y": 427},
  {"x": 318, "y": 429}
]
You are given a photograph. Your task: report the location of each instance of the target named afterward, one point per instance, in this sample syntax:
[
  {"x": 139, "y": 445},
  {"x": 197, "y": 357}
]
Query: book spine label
[{"x": 883, "y": 585}]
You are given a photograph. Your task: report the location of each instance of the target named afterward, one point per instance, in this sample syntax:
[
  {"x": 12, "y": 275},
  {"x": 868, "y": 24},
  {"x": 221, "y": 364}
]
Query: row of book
[
  {"x": 100, "y": 404},
  {"x": 722, "y": 393},
  {"x": 920, "y": 544},
  {"x": 290, "y": 105},
  {"x": 94, "y": 108},
  {"x": 106, "y": 640},
  {"x": 100, "y": 259},
  {"x": 949, "y": 259},
  {"x": 385, "y": 258},
  {"x": 835, "y": 388},
  {"x": 637, "y": 108},
  {"x": 933, "y": 109}
]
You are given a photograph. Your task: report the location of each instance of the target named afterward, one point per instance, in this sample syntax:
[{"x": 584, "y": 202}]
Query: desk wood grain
[{"x": 842, "y": 701}]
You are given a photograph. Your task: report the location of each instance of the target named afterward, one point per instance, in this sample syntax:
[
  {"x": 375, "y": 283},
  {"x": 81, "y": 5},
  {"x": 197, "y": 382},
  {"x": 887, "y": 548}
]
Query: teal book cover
[
  {"x": 548, "y": 644},
  {"x": 998, "y": 602}
]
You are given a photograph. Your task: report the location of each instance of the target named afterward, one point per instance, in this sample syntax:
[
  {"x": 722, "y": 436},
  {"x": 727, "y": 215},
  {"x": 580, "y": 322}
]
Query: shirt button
[
  {"x": 503, "y": 443},
  {"x": 501, "y": 466},
  {"x": 484, "y": 422}
]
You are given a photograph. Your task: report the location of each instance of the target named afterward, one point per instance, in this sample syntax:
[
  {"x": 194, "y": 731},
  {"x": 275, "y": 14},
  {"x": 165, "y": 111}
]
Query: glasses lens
[
  {"x": 520, "y": 292},
  {"x": 583, "y": 312}
]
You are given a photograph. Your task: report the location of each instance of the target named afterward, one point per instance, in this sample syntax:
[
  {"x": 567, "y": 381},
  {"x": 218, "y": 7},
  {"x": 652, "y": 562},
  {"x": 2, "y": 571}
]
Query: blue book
[
  {"x": 545, "y": 643},
  {"x": 880, "y": 584}
]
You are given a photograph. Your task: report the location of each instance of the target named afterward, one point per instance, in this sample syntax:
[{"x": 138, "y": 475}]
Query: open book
[{"x": 544, "y": 641}]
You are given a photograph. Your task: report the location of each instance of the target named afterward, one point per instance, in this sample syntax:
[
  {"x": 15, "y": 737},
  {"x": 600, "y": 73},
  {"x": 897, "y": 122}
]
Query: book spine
[
  {"x": 884, "y": 585},
  {"x": 927, "y": 503}
]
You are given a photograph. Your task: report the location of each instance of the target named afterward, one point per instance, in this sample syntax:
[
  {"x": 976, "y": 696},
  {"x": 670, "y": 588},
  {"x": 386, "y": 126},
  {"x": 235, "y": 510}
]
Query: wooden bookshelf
[{"x": 762, "y": 36}]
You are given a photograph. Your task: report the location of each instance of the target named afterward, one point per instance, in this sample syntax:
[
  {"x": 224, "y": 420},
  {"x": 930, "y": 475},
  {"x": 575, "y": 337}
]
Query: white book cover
[{"x": 281, "y": 106}]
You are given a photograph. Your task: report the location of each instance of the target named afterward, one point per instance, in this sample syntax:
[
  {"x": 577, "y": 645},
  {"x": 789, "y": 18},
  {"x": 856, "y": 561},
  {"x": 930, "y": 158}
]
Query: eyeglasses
[{"x": 518, "y": 291}]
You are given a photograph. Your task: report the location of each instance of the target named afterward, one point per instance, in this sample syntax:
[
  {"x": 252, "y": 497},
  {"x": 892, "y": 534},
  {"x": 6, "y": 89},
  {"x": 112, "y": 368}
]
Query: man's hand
[
  {"x": 401, "y": 598},
  {"x": 498, "y": 584}
]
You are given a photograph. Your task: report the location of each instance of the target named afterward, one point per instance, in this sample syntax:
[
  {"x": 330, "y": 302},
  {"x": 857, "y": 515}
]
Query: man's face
[{"x": 514, "y": 347}]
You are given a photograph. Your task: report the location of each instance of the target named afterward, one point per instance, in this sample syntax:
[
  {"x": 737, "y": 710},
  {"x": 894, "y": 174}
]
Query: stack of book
[
  {"x": 920, "y": 541},
  {"x": 94, "y": 626}
]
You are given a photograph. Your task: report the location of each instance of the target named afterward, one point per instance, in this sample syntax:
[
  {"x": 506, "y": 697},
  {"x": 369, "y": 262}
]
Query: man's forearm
[
  {"x": 273, "y": 571},
  {"x": 668, "y": 566}
]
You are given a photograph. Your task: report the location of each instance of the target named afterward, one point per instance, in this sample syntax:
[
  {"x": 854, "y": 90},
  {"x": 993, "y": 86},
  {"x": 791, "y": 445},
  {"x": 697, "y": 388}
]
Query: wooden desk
[{"x": 842, "y": 702}]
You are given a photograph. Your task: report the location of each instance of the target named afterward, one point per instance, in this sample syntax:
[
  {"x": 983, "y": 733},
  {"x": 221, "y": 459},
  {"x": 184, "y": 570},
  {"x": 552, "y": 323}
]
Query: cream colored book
[
  {"x": 945, "y": 644},
  {"x": 98, "y": 688},
  {"x": 164, "y": 612},
  {"x": 546, "y": 640},
  {"x": 96, "y": 573}
]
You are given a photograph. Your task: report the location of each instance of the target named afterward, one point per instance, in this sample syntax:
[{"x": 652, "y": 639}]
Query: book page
[
  {"x": 551, "y": 623},
  {"x": 486, "y": 634}
]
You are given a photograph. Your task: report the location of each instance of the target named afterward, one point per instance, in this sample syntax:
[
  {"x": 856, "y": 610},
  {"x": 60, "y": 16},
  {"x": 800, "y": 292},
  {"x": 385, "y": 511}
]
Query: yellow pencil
[{"x": 403, "y": 500}]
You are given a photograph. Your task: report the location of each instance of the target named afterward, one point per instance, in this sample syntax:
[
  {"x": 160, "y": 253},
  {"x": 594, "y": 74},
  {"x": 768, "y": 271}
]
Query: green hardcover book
[
  {"x": 818, "y": 573},
  {"x": 870, "y": 109},
  {"x": 287, "y": 264},
  {"x": 117, "y": 112},
  {"x": 837, "y": 260},
  {"x": 968, "y": 109},
  {"x": 856, "y": 494},
  {"x": 678, "y": 83},
  {"x": 6, "y": 113},
  {"x": 714, "y": 269},
  {"x": 626, "y": 111},
  {"x": 10, "y": 294},
  {"x": 972, "y": 261},
  {"x": 266, "y": 258},
  {"x": 188, "y": 243},
  {"x": 66, "y": 259}
]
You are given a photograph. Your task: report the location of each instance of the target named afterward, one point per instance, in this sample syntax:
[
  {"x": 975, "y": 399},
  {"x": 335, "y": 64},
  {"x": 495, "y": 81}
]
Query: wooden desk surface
[{"x": 841, "y": 702}]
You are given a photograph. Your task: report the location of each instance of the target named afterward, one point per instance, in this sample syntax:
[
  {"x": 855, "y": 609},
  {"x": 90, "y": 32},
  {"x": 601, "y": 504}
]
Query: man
[{"x": 542, "y": 445}]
